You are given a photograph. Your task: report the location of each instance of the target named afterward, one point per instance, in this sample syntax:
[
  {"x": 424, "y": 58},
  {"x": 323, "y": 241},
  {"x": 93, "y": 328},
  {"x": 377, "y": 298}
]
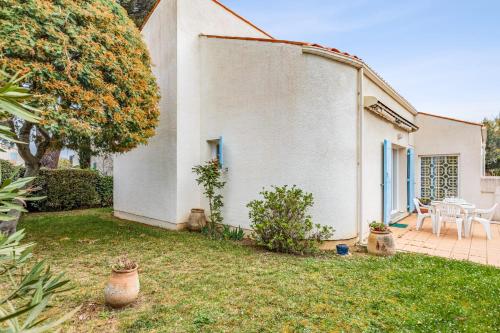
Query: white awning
[{"x": 372, "y": 104}]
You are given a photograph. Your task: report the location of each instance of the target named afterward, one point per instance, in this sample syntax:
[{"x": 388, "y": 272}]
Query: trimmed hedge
[
  {"x": 105, "y": 190},
  {"x": 66, "y": 189},
  {"x": 8, "y": 169}
]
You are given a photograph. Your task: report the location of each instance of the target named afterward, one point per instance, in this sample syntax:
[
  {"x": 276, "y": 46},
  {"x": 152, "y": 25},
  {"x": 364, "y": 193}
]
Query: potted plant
[
  {"x": 123, "y": 285},
  {"x": 380, "y": 240},
  {"x": 424, "y": 202}
]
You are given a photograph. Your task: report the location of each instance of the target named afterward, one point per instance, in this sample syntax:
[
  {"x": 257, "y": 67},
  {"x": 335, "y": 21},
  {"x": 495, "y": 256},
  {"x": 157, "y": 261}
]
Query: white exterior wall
[
  {"x": 376, "y": 130},
  {"x": 286, "y": 118},
  {"x": 145, "y": 179},
  {"x": 438, "y": 136},
  {"x": 196, "y": 17},
  {"x": 154, "y": 183},
  {"x": 490, "y": 194}
]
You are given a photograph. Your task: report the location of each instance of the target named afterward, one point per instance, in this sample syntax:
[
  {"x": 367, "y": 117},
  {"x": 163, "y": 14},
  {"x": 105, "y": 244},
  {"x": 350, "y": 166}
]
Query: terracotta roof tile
[{"x": 283, "y": 41}]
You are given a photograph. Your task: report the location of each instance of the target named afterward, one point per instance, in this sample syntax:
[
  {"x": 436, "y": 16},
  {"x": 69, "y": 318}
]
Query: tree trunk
[
  {"x": 51, "y": 158},
  {"x": 32, "y": 161},
  {"x": 84, "y": 155},
  {"x": 32, "y": 169}
]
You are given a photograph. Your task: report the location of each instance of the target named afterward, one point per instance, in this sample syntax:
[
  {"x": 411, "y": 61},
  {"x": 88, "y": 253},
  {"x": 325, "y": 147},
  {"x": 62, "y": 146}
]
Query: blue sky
[{"x": 442, "y": 55}]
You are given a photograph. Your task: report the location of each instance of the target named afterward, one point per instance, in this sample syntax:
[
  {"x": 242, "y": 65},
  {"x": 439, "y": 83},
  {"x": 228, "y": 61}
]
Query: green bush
[
  {"x": 8, "y": 170},
  {"x": 105, "y": 190},
  {"x": 67, "y": 189},
  {"x": 281, "y": 223}
]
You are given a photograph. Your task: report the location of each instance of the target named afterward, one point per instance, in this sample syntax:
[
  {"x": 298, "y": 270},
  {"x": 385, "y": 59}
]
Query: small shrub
[
  {"x": 281, "y": 223},
  {"x": 425, "y": 201},
  {"x": 66, "y": 189},
  {"x": 235, "y": 234},
  {"x": 9, "y": 170},
  {"x": 209, "y": 175},
  {"x": 203, "y": 319},
  {"x": 64, "y": 164},
  {"x": 105, "y": 190},
  {"x": 378, "y": 226},
  {"x": 123, "y": 264}
]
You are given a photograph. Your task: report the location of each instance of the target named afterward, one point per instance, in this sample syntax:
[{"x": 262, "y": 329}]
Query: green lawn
[{"x": 192, "y": 284}]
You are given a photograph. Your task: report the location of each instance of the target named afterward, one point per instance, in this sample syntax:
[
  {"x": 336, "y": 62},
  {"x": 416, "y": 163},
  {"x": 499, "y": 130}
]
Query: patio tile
[
  {"x": 442, "y": 253},
  {"x": 412, "y": 248},
  {"x": 474, "y": 248},
  {"x": 461, "y": 250},
  {"x": 493, "y": 255},
  {"x": 445, "y": 246},
  {"x": 477, "y": 252},
  {"x": 481, "y": 260},
  {"x": 494, "y": 262},
  {"x": 416, "y": 243},
  {"x": 459, "y": 256},
  {"x": 427, "y": 251}
]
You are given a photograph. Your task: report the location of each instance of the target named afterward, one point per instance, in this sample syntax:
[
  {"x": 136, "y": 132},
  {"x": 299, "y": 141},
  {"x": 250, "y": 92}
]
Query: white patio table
[{"x": 467, "y": 208}]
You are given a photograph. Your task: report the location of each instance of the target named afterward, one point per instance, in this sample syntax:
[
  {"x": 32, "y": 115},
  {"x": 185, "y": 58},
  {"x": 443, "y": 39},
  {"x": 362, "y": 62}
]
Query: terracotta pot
[
  {"x": 122, "y": 288},
  {"x": 197, "y": 219},
  {"x": 381, "y": 243}
]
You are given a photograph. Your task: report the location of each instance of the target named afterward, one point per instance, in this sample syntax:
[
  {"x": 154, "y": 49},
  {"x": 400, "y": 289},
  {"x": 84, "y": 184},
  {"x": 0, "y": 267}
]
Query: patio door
[
  {"x": 395, "y": 182},
  {"x": 410, "y": 173}
]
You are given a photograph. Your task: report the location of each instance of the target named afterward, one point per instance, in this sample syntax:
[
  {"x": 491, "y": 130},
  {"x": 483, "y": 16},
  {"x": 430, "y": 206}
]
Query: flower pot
[
  {"x": 381, "y": 243},
  {"x": 342, "y": 249},
  {"x": 122, "y": 288},
  {"x": 197, "y": 219}
]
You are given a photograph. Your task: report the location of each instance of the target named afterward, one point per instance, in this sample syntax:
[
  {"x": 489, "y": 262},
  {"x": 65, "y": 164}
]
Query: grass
[{"x": 192, "y": 284}]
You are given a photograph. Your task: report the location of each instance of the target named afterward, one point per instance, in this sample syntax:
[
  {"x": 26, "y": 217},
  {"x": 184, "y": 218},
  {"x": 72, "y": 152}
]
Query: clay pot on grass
[
  {"x": 380, "y": 240},
  {"x": 122, "y": 288},
  {"x": 197, "y": 219}
]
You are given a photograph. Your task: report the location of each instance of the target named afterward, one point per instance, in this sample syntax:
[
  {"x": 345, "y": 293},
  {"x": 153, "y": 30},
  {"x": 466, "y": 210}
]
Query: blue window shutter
[
  {"x": 411, "y": 179},
  {"x": 220, "y": 153},
  {"x": 387, "y": 182}
]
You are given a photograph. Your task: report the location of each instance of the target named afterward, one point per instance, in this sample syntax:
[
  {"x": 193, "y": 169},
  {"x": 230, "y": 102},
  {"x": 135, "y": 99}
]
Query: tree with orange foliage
[{"x": 91, "y": 70}]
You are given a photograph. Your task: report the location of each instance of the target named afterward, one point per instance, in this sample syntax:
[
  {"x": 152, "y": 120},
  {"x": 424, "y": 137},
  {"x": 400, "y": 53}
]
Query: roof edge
[
  {"x": 452, "y": 119},
  {"x": 146, "y": 19},
  {"x": 241, "y": 18},
  {"x": 368, "y": 71},
  {"x": 335, "y": 55},
  {"x": 153, "y": 8}
]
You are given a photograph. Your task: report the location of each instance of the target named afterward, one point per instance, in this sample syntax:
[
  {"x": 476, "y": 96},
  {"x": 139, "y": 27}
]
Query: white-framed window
[
  {"x": 439, "y": 176},
  {"x": 217, "y": 149}
]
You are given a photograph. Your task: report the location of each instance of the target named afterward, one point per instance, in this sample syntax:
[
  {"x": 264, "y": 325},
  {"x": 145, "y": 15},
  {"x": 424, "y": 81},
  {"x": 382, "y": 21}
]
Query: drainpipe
[{"x": 360, "y": 153}]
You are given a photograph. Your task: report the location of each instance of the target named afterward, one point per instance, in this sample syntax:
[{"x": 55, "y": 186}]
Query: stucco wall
[
  {"x": 145, "y": 179},
  {"x": 195, "y": 17},
  {"x": 438, "y": 136},
  {"x": 490, "y": 194},
  {"x": 154, "y": 183},
  {"x": 286, "y": 118},
  {"x": 376, "y": 131}
]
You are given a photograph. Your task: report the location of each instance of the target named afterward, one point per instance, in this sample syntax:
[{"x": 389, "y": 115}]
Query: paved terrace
[{"x": 476, "y": 248}]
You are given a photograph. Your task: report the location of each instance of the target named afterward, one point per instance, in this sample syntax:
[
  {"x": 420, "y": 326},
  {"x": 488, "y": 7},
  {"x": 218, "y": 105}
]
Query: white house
[{"x": 281, "y": 112}]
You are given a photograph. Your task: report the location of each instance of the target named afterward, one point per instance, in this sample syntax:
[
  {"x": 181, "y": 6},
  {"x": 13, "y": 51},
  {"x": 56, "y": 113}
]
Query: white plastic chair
[
  {"x": 454, "y": 200},
  {"x": 449, "y": 213},
  {"x": 420, "y": 215},
  {"x": 484, "y": 216}
]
